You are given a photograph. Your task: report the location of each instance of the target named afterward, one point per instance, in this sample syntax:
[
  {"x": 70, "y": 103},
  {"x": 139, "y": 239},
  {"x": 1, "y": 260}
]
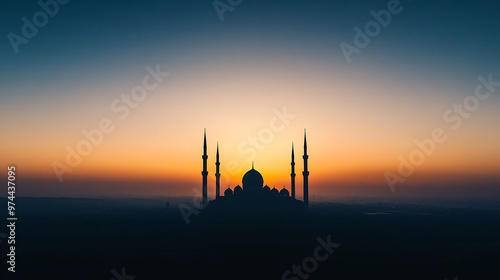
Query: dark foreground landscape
[{"x": 70, "y": 238}]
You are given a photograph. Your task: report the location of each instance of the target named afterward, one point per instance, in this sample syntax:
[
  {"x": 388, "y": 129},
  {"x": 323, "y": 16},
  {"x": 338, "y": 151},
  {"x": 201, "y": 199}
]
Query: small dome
[
  {"x": 284, "y": 192},
  {"x": 237, "y": 190},
  {"x": 228, "y": 192},
  {"x": 266, "y": 189},
  {"x": 252, "y": 180},
  {"x": 275, "y": 192}
]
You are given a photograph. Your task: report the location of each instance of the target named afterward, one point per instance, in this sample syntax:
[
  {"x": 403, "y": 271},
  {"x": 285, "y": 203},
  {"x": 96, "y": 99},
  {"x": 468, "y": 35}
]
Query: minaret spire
[
  {"x": 252, "y": 164},
  {"x": 305, "y": 142},
  {"x": 204, "y": 141},
  {"x": 217, "y": 174},
  {"x": 204, "y": 173},
  {"x": 292, "y": 175},
  {"x": 306, "y": 173}
]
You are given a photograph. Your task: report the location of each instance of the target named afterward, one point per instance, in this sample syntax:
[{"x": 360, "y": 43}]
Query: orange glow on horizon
[{"x": 355, "y": 130}]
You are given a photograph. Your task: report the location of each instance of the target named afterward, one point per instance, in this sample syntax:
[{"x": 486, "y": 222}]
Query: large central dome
[{"x": 253, "y": 180}]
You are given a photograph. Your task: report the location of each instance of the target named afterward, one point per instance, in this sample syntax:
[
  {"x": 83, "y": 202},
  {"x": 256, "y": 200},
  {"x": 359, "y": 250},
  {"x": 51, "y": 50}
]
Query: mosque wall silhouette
[{"x": 253, "y": 182}]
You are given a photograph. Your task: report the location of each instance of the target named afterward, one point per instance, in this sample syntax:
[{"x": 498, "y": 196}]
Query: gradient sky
[{"x": 231, "y": 76}]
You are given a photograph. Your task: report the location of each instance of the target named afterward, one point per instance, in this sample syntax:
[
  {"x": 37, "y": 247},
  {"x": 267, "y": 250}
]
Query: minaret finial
[{"x": 252, "y": 164}]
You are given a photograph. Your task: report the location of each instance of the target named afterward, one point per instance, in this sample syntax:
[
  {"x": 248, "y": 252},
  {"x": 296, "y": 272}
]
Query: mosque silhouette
[{"x": 254, "y": 195}]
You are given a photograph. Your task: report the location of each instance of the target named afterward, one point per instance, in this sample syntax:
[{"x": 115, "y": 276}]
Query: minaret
[
  {"x": 217, "y": 174},
  {"x": 305, "y": 173},
  {"x": 204, "y": 173},
  {"x": 292, "y": 175}
]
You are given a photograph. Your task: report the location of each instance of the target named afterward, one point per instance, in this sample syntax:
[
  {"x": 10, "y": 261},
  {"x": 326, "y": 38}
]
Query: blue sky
[{"x": 93, "y": 41}]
